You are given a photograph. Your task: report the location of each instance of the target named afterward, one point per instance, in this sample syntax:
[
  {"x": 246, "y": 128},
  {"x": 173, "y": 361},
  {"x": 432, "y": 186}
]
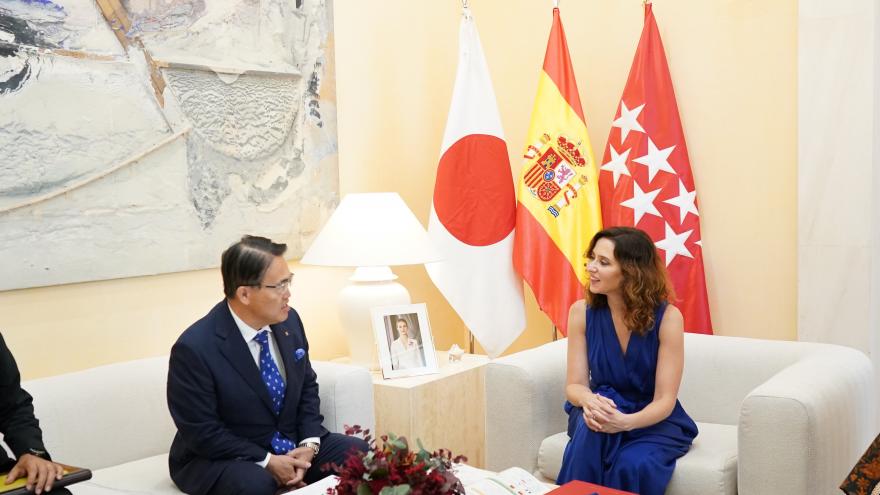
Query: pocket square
[{"x": 299, "y": 354}]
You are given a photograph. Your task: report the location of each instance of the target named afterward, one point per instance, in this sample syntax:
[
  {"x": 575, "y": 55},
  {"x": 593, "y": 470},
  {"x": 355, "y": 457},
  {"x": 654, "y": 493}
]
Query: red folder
[{"x": 583, "y": 488}]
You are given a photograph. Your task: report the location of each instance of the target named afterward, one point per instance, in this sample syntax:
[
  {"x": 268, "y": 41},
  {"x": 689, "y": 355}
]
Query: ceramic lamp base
[{"x": 370, "y": 287}]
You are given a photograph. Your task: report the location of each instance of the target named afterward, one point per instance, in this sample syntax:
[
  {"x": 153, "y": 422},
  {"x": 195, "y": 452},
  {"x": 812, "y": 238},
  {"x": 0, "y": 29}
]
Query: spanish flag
[{"x": 557, "y": 211}]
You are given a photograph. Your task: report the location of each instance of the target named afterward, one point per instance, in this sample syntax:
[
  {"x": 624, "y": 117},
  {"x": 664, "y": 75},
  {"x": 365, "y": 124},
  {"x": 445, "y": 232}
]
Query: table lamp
[{"x": 371, "y": 232}]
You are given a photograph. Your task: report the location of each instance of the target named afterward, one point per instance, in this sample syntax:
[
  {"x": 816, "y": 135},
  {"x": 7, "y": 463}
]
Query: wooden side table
[{"x": 444, "y": 410}]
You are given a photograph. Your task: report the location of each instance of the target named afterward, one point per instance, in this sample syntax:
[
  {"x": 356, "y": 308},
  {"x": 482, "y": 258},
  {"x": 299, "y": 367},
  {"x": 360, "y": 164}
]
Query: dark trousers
[{"x": 247, "y": 478}]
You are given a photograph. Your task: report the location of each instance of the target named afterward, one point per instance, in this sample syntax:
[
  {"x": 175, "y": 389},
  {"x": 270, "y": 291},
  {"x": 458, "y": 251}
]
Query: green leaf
[
  {"x": 364, "y": 489},
  {"x": 395, "y": 490}
]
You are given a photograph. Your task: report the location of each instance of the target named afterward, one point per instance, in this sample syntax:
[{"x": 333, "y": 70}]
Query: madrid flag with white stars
[
  {"x": 473, "y": 212},
  {"x": 645, "y": 179}
]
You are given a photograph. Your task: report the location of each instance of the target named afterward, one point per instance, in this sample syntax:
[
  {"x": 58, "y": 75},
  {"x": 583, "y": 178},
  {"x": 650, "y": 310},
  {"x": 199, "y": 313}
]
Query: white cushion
[
  {"x": 345, "y": 392},
  {"x": 148, "y": 475},
  {"x": 709, "y": 468},
  {"x": 550, "y": 455}
]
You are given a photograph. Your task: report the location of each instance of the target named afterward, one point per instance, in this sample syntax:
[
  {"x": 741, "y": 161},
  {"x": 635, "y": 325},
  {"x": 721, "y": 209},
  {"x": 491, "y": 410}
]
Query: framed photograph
[{"x": 406, "y": 346}]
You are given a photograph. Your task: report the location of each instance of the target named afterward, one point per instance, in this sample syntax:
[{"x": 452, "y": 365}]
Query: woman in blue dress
[{"x": 625, "y": 359}]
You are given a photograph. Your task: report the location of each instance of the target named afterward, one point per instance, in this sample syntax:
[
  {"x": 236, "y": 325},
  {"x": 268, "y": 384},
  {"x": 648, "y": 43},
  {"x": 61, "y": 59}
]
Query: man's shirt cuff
[
  {"x": 316, "y": 440},
  {"x": 265, "y": 462}
]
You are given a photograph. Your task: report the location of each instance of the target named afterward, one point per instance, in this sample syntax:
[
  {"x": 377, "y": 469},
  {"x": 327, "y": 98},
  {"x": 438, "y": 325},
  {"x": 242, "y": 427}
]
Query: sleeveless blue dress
[{"x": 640, "y": 461}]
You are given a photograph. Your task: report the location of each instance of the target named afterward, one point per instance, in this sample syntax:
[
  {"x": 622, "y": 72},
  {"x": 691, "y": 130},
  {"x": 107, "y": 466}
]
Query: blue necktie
[{"x": 276, "y": 387}]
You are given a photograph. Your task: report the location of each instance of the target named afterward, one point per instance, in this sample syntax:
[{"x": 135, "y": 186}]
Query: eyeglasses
[{"x": 280, "y": 287}]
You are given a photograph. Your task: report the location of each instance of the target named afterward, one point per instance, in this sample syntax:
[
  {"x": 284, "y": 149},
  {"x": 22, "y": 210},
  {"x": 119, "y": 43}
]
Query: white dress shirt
[
  {"x": 249, "y": 335},
  {"x": 407, "y": 355}
]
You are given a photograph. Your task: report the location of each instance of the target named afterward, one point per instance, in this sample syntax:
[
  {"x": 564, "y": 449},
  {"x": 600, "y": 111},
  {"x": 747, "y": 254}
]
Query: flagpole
[{"x": 465, "y": 10}]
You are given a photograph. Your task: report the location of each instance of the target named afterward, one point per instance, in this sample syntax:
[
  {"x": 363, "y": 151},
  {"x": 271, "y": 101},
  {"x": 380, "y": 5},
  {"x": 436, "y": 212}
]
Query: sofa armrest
[
  {"x": 525, "y": 392},
  {"x": 346, "y": 394},
  {"x": 802, "y": 430}
]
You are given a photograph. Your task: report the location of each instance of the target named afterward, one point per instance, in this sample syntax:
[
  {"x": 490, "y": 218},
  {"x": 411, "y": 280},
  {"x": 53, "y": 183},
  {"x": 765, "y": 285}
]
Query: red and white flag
[
  {"x": 558, "y": 203},
  {"x": 645, "y": 179},
  {"x": 474, "y": 207}
]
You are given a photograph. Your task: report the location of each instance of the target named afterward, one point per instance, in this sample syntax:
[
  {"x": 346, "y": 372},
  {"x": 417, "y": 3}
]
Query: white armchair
[{"x": 775, "y": 417}]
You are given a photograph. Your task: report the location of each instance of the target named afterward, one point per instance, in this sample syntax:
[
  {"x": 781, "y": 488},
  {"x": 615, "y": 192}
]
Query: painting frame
[{"x": 413, "y": 356}]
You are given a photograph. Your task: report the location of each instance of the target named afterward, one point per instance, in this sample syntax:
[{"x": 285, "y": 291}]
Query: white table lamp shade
[{"x": 371, "y": 229}]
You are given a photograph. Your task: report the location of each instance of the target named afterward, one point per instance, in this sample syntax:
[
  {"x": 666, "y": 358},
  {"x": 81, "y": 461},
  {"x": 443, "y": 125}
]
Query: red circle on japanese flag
[{"x": 473, "y": 196}]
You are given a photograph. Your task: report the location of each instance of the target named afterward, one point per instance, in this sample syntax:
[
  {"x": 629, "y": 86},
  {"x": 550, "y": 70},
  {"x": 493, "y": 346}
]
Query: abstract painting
[{"x": 140, "y": 137}]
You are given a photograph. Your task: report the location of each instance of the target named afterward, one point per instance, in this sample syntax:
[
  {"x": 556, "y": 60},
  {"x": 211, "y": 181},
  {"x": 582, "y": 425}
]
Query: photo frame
[{"x": 411, "y": 355}]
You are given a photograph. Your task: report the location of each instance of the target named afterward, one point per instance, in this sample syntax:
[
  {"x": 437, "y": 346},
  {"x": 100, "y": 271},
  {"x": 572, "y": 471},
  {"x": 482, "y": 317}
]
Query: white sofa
[
  {"x": 775, "y": 417},
  {"x": 114, "y": 420}
]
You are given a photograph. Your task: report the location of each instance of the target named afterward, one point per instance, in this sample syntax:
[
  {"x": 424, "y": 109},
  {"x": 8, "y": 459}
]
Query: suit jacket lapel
[
  {"x": 236, "y": 351},
  {"x": 286, "y": 349}
]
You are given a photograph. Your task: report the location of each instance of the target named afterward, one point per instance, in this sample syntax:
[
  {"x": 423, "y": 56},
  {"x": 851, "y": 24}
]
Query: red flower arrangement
[{"x": 392, "y": 469}]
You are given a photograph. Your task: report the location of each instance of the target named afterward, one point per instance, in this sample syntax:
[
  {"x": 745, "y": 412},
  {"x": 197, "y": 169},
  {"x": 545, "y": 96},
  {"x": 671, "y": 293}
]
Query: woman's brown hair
[{"x": 645, "y": 283}]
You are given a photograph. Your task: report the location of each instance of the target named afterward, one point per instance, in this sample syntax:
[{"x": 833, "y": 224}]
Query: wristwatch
[
  {"x": 312, "y": 445},
  {"x": 42, "y": 454}
]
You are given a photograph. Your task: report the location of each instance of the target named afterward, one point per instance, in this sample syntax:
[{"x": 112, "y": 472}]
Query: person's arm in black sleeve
[{"x": 20, "y": 429}]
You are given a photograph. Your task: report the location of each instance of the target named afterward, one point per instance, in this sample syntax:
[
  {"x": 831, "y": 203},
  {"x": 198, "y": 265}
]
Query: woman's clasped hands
[{"x": 601, "y": 415}]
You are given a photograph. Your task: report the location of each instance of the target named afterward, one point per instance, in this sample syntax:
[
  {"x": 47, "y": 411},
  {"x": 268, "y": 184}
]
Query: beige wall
[{"x": 734, "y": 65}]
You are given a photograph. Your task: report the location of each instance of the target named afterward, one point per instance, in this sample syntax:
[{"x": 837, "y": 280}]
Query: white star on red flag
[
  {"x": 617, "y": 164},
  {"x": 642, "y": 203},
  {"x": 685, "y": 201},
  {"x": 628, "y": 120},
  {"x": 656, "y": 159},
  {"x": 673, "y": 244}
]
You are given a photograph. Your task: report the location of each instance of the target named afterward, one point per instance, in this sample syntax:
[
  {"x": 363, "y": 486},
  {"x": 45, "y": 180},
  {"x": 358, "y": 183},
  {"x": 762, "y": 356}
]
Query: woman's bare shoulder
[
  {"x": 576, "y": 318},
  {"x": 673, "y": 314},
  {"x": 673, "y": 321}
]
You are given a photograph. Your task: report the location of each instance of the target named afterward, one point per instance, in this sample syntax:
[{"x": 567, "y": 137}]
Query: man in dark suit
[
  {"x": 241, "y": 388},
  {"x": 21, "y": 432}
]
